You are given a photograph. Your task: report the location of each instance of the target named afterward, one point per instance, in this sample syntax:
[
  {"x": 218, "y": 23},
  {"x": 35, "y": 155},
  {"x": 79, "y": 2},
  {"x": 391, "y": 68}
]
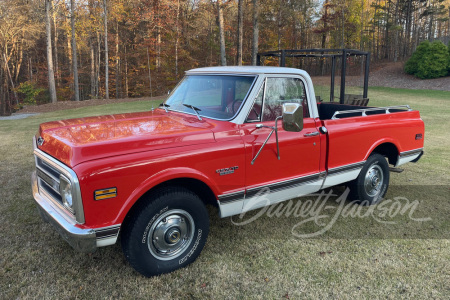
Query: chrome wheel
[
  {"x": 373, "y": 181},
  {"x": 171, "y": 234}
]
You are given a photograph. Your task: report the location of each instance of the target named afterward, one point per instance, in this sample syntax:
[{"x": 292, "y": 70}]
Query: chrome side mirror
[{"x": 292, "y": 117}]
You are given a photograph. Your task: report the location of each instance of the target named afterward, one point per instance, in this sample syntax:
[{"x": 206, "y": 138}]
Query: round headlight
[{"x": 65, "y": 189}]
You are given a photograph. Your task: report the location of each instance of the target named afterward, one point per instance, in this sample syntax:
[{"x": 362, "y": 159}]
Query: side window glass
[
  {"x": 255, "y": 112},
  {"x": 283, "y": 90}
]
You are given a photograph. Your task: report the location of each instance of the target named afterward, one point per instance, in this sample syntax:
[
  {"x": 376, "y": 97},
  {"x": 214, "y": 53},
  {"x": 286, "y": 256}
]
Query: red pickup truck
[{"x": 147, "y": 176}]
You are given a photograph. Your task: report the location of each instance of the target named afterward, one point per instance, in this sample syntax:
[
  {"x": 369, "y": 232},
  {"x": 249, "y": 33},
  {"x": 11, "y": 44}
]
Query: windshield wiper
[
  {"x": 165, "y": 106},
  {"x": 195, "y": 109}
]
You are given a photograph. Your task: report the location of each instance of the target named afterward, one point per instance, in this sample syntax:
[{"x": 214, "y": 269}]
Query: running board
[{"x": 396, "y": 170}]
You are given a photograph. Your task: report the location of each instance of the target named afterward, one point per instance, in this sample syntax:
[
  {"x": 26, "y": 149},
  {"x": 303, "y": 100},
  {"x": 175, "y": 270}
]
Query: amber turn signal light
[{"x": 105, "y": 193}]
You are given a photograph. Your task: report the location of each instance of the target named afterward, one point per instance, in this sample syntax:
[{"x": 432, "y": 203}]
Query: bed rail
[{"x": 364, "y": 111}]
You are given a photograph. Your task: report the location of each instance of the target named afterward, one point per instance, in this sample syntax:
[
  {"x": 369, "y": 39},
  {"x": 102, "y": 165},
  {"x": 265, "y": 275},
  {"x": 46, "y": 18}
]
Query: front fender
[{"x": 158, "y": 178}]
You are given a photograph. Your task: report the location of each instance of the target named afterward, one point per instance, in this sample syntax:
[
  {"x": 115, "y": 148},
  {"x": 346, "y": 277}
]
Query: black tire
[
  {"x": 372, "y": 183},
  {"x": 165, "y": 233}
]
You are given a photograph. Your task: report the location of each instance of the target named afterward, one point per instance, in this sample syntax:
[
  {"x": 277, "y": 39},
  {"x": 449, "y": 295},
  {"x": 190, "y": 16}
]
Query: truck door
[{"x": 269, "y": 179}]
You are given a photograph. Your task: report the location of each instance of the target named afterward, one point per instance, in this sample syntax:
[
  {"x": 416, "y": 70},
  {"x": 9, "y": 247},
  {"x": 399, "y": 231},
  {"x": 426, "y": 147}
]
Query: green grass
[{"x": 356, "y": 258}]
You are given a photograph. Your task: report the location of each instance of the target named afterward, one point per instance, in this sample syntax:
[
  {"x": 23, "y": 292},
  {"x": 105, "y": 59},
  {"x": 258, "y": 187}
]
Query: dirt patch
[{"x": 391, "y": 75}]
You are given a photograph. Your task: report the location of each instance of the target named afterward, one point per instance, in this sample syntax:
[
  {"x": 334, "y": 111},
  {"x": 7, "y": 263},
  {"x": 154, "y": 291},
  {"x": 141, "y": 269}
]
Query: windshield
[{"x": 215, "y": 96}]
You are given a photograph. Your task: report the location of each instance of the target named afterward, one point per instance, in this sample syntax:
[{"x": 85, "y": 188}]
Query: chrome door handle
[{"x": 311, "y": 134}]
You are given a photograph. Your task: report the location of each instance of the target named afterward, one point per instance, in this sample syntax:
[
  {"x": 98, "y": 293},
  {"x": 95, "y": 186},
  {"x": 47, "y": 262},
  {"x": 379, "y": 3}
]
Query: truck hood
[{"x": 75, "y": 141}]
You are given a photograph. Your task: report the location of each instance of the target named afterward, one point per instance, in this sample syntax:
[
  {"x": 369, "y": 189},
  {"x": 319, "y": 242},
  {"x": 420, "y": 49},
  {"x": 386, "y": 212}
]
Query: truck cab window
[{"x": 283, "y": 90}]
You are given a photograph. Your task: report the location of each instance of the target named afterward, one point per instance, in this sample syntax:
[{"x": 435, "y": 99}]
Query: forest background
[{"x": 58, "y": 50}]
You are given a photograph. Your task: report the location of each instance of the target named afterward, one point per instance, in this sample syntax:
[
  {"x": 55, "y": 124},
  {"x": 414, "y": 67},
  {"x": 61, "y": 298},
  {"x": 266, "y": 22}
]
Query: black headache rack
[{"x": 333, "y": 54}]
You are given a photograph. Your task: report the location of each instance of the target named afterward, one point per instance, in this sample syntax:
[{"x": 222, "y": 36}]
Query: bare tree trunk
[
  {"x": 97, "y": 75},
  {"x": 279, "y": 27},
  {"x": 51, "y": 74},
  {"x": 240, "y": 32},
  {"x": 117, "y": 62},
  {"x": 407, "y": 42},
  {"x": 361, "y": 38},
  {"x": 158, "y": 35},
  {"x": 430, "y": 26},
  {"x": 223, "y": 56},
  {"x": 2, "y": 94},
  {"x": 177, "y": 39},
  {"x": 386, "y": 33},
  {"x": 19, "y": 62},
  {"x": 396, "y": 41},
  {"x": 343, "y": 27},
  {"x": 149, "y": 73},
  {"x": 10, "y": 79},
  {"x": 30, "y": 69},
  {"x": 69, "y": 56},
  {"x": 373, "y": 34},
  {"x": 106, "y": 52},
  {"x": 325, "y": 25},
  {"x": 210, "y": 42},
  {"x": 92, "y": 50},
  {"x": 126, "y": 73},
  {"x": 74, "y": 53},
  {"x": 255, "y": 31},
  {"x": 58, "y": 75}
]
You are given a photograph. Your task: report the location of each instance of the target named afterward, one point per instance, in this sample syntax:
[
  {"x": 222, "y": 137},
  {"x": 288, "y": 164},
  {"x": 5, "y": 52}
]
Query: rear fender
[{"x": 381, "y": 142}]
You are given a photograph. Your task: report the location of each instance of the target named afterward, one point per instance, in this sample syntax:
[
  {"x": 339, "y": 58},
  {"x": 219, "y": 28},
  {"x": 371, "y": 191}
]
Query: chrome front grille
[
  {"x": 48, "y": 180},
  {"x": 49, "y": 172}
]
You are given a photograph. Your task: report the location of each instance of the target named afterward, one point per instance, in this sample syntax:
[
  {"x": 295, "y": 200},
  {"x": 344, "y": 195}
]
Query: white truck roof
[{"x": 248, "y": 70}]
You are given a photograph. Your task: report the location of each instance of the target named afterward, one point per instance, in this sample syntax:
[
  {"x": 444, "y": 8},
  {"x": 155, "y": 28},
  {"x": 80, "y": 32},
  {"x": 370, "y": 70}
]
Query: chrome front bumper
[{"x": 84, "y": 240}]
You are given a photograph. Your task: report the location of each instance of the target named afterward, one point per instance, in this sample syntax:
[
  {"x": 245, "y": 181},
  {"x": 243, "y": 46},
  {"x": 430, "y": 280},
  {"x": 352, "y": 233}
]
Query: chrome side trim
[
  {"x": 231, "y": 208},
  {"x": 346, "y": 168},
  {"x": 409, "y": 156},
  {"x": 107, "y": 235},
  {"x": 265, "y": 197},
  {"x": 283, "y": 185},
  {"x": 411, "y": 152},
  {"x": 232, "y": 197},
  {"x": 341, "y": 174},
  {"x": 234, "y": 203}
]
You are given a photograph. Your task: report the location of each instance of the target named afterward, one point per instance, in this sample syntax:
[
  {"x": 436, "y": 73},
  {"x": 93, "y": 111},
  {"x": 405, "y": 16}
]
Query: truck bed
[{"x": 327, "y": 111}]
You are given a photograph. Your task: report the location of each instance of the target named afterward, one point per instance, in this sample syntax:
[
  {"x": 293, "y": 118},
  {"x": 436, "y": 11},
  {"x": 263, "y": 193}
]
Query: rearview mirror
[{"x": 292, "y": 117}]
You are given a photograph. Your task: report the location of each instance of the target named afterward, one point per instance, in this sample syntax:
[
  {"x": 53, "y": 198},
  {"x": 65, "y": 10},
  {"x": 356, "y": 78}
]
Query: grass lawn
[{"x": 355, "y": 258}]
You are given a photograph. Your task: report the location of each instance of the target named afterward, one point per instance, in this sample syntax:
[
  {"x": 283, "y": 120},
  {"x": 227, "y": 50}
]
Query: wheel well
[
  {"x": 196, "y": 186},
  {"x": 388, "y": 150},
  {"x": 200, "y": 188}
]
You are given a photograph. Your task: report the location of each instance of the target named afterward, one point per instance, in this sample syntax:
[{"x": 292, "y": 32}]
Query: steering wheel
[
  {"x": 240, "y": 100},
  {"x": 234, "y": 103}
]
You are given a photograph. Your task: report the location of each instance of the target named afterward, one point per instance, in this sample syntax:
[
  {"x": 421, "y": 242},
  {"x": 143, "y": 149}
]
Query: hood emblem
[{"x": 40, "y": 141}]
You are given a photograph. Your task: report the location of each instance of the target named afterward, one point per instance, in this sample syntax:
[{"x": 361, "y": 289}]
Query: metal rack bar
[{"x": 364, "y": 110}]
